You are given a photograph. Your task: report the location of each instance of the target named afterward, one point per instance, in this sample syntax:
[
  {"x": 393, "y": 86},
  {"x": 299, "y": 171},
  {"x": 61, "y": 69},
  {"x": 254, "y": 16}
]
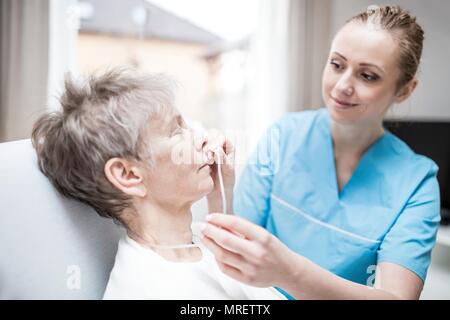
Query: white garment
[{"x": 140, "y": 273}]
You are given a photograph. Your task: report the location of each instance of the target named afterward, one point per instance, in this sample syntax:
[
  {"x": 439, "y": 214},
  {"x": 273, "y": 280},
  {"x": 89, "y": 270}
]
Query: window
[{"x": 202, "y": 44}]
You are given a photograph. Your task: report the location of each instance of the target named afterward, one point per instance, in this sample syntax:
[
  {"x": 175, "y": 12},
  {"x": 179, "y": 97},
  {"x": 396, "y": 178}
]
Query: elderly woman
[{"x": 120, "y": 146}]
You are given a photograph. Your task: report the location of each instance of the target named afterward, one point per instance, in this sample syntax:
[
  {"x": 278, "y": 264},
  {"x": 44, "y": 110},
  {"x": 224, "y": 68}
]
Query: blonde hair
[
  {"x": 101, "y": 117},
  {"x": 405, "y": 30}
]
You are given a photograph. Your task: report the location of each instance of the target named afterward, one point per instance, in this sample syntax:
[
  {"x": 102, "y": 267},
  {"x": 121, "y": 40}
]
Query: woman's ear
[
  {"x": 406, "y": 91},
  {"x": 126, "y": 177}
]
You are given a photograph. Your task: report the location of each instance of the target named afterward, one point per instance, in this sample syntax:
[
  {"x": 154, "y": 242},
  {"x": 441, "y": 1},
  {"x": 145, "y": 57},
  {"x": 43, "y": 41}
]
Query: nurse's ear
[
  {"x": 406, "y": 91},
  {"x": 126, "y": 177}
]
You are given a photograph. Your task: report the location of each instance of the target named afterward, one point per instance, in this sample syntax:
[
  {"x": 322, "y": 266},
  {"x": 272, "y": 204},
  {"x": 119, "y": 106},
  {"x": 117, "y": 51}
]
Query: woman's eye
[
  {"x": 335, "y": 65},
  {"x": 178, "y": 130},
  {"x": 184, "y": 125},
  {"x": 369, "y": 77}
]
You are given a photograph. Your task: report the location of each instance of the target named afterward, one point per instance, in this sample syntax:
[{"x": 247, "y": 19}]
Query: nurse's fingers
[
  {"x": 224, "y": 256},
  {"x": 228, "y": 146},
  {"x": 232, "y": 272},
  {"x": 236, "y": 224},
  {"x": 229, "y": 152},
  {"x": 229, "y": 241}
]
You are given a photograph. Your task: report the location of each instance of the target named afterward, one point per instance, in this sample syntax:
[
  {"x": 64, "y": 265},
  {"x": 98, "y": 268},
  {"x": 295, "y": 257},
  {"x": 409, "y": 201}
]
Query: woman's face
[
  {"x": 179, "y": 172},
  {"x": 360, "y": 77}
]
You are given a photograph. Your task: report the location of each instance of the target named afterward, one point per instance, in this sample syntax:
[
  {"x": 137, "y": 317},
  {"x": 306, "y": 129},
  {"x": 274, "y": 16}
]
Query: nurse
[{"x": 345, "y": 209}]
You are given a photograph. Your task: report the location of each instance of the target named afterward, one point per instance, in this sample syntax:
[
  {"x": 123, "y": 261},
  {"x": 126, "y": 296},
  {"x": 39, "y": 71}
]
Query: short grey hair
[{"x": 102, "y": 116}]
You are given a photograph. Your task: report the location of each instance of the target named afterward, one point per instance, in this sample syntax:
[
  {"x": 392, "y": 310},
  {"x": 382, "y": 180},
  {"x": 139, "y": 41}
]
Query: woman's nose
[
  {"x": 200, "y": 140},
  {"x": 345, "y": 86}
]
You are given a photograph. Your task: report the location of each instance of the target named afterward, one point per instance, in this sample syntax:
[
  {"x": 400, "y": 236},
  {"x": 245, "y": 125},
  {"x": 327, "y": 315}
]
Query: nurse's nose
[{"x": 345, "y": 85}]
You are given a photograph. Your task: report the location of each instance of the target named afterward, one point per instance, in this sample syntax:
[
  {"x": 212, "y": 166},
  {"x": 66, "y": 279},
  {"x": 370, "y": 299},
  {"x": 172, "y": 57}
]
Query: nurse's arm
[
  {"x": 314, "y": 282},
  {"x": 250, "y": 254}
]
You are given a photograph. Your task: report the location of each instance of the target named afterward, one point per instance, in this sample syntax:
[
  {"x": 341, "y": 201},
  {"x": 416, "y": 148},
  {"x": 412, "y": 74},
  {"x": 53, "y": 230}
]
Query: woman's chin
[
  {"x": 349, "y": 116},
  {"x": 205, "y": 186}
]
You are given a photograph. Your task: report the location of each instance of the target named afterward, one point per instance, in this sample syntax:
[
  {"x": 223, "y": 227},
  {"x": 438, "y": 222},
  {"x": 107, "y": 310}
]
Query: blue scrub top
[{"x": 388, "y": 211}]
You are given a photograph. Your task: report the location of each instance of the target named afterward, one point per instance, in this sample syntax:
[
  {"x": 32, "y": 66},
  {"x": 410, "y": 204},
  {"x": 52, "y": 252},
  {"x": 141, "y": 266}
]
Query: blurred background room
[{"x": 240, "y": 65}]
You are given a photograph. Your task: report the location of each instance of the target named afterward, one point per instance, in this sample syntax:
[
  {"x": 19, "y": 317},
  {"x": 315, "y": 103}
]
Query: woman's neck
[
  {"x": 354, "y": 140},
  {"x": 159, "y": 227}
]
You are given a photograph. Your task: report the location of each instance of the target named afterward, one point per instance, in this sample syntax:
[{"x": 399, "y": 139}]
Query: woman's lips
[
  {"x": 203, "y": 167},
  {"x": 343, "y": 104}
]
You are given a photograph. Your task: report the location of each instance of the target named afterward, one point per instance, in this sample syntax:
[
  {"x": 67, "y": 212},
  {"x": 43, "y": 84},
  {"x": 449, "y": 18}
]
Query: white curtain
[
  {"x": 64, "y": 25},
  {"x": 37, "y": 45},
  {"x": 289, "y": 53},
  {"x": 24, "y": 38},
  {"x": 307, "y": 48}
]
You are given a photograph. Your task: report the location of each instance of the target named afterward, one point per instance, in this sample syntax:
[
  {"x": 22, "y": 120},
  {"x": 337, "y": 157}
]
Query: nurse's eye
[
  {"x": 369, "y": 77},
  {"x": 336, "y": 65}
]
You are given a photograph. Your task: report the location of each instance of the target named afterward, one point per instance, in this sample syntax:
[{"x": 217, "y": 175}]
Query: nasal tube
[{"x": 220, "y": 153}]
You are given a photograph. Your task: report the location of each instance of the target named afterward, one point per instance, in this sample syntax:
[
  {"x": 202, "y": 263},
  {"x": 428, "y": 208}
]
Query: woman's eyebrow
[
  {"x": 361, "y": 64},
  {"x": 372, "y": 65},
  {"x": 340, "y": 55}
]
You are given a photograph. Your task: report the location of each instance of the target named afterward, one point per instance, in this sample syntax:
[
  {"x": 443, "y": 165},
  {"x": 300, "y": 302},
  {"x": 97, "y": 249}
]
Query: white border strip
[{"x": 326, "y": 225}]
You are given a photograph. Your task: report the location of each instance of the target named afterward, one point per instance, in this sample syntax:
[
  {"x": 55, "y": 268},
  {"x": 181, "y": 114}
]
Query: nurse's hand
[
  {"x": 252, "y": 255},
  {"x": 220, "y": 149},
  {"x": 248, "y": 253}
]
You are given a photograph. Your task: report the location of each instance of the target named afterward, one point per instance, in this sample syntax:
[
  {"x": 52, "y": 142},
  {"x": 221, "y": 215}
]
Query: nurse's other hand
[
  {"x": 247, "y": 252},
  {"x": 219, "y": 149}
]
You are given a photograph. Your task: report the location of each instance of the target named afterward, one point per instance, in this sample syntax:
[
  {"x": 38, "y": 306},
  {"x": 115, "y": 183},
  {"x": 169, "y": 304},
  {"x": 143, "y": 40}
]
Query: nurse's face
[
  {"x": 359, "y": 80},
  {"x": 179, "y": 173}
]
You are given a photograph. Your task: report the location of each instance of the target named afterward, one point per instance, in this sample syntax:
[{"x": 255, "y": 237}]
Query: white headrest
[{"x": 50, "y": 247}]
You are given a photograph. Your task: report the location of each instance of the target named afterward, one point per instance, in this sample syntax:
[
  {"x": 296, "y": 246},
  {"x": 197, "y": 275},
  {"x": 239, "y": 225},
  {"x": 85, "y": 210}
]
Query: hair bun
[{"x": 372, "y": 8}]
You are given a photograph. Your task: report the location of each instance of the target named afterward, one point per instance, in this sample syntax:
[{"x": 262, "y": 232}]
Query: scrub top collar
[{"x": 326, "y": 151}]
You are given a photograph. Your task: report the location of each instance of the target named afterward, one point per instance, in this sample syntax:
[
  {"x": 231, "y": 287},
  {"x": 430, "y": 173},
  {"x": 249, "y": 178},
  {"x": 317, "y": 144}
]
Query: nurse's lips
[{"x": 342, "y": 103}]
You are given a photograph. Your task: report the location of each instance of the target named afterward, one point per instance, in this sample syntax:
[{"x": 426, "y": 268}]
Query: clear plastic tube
[{"x": 222, "y": 188}]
